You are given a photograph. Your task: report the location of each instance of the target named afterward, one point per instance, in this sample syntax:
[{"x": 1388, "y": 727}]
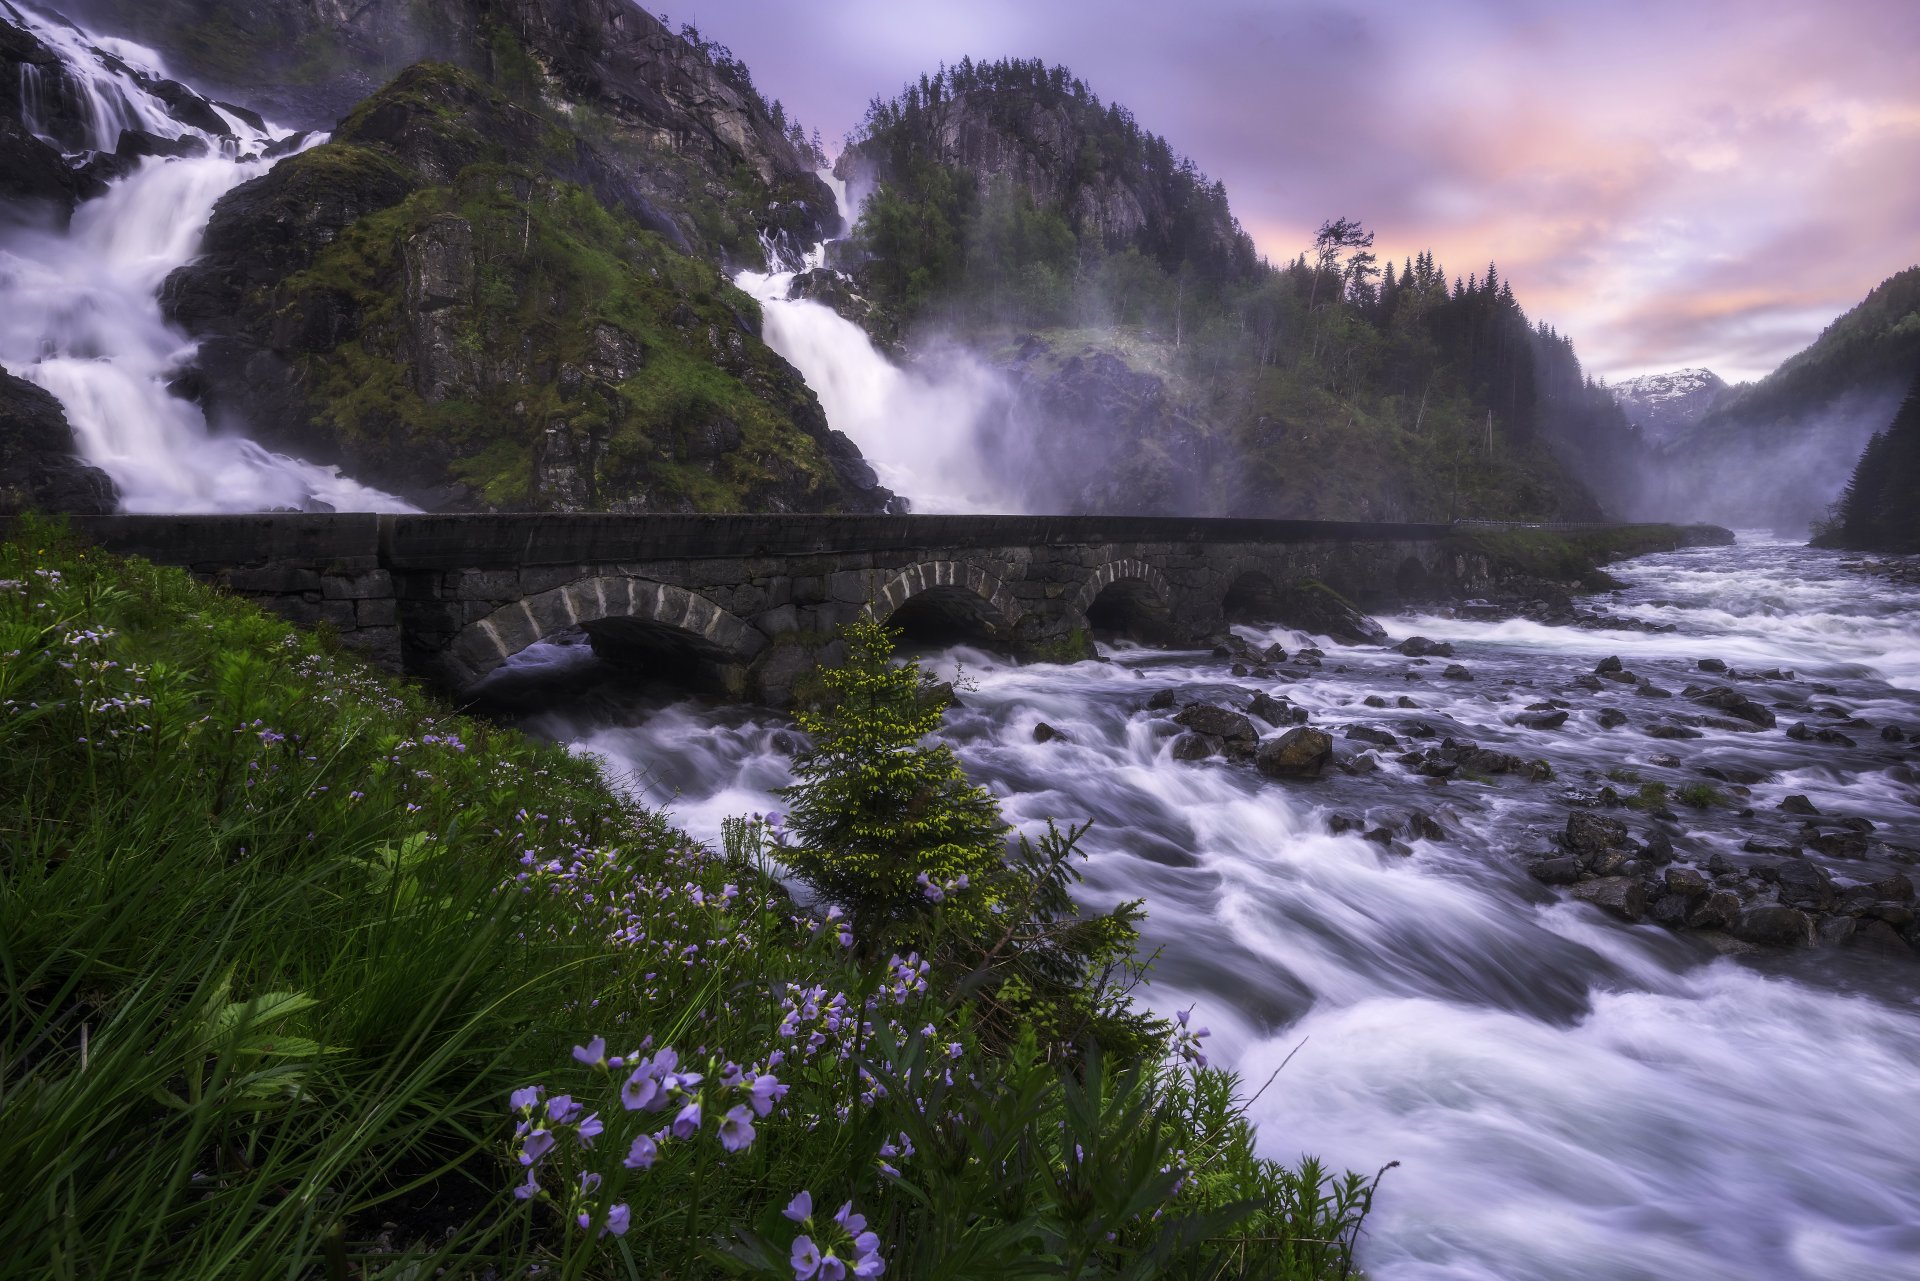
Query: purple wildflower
[
  {"x": 538, "y": 1143},
  {"x": 765, "y": 1091},
  {"x": 593, "y": 1053},
  {"x": 618, "y": 1218},
  {"x": 642, "y": 1154},
  {"x": 800, "y": 1209},
  {"x": 525, "y": 1097},
  {"x": 805, "y": 1258},
  {"x": 590, "y": 1129},
  {"x": 686, "y": 1123},
  {"x": 736, "y": 1129}
]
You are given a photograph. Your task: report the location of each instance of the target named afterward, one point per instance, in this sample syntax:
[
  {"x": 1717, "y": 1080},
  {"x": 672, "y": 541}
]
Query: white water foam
[
  {"x": 1569, "y": 1097},
  {"x": 930, "y": 429},
  {"x": 80, "y": 312}
]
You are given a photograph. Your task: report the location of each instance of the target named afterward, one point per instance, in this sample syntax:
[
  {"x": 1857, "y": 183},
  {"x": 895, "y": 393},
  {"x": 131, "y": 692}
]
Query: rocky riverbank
[{"x": 1642, "y": 800}]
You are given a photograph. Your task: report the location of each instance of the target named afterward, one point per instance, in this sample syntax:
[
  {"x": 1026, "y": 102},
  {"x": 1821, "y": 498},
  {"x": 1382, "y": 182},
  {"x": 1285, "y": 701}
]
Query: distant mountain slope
[
  {"x": 1664, "y": 406},
  {"x": 1778, "y": 451},
  {"x": 1162, "y": 365},
  {"x": 1880, "y": 510}
]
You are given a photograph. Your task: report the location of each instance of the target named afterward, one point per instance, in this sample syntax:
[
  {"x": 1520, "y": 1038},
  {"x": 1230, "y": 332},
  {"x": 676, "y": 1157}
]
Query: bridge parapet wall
[{"x": 758, "y": 598}]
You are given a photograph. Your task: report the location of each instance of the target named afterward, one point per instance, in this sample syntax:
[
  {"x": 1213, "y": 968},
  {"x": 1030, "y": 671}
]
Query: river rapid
[{"x": 1568, "y": 1095}]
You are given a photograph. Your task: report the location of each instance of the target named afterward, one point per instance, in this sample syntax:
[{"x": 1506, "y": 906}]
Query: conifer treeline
[
  {"x": 1880, "y": 510},
  {"x": 963, "y": 248}
]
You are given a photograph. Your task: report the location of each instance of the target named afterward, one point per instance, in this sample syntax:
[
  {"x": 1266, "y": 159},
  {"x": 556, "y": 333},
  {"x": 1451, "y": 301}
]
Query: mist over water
[
  {"x": 80, "y": 312},
  {"x": 935, "y": 430},
  {"x": 1569, "y": 1096}
]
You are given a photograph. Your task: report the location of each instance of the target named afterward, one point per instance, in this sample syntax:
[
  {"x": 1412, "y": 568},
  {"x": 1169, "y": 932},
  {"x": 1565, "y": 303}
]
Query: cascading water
[
  {"x": 1569, "y": 1096},
  {"x": 931, "y": 430},
  {"x": 79, "y": 307}
]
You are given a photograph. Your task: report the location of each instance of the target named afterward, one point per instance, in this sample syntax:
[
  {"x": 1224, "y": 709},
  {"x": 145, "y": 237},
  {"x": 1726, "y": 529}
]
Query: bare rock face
[
  {"x": 40, "y": 469},
  {"x": 439, "y": 297}
]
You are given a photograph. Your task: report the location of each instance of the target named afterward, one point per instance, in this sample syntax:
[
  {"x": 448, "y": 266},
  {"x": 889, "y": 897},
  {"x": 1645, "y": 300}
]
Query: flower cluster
[
  {"x": 653, "y": 1084},
  {"x": 844, "y": 1247},
  {"x": 934, "y": 891},
  {"x": 1186, "y": 1041}
]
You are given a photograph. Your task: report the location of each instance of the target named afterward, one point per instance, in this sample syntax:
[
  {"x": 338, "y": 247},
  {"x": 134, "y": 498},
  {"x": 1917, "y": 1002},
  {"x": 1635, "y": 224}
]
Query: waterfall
[
  {"x": 934, "y": 430},
  {"x": 79, "y": 308}
]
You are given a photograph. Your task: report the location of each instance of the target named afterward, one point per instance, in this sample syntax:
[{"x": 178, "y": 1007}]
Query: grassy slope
[{"x": 278, "y": 937}]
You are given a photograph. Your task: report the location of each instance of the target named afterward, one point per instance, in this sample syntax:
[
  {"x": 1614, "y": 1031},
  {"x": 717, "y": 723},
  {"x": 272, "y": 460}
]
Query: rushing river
[{"x": 1569, "y": 1096}]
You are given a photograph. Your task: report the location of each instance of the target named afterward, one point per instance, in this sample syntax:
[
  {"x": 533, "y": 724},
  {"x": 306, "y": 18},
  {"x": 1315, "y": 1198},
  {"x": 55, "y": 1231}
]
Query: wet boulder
[
  {"x": 1623, "y": 896},
  {"x": 1195, "y": 747},
  {"x": 1734, "y": 704},
  {"x": 1161, "y": 700},
  {"x": 1588, "y": 834},
  {"x": 1561, "y": 870},
  {"x": 1318, "y": 609},
  {"x": 1045, "y": 733},
  {"x": 1611, "y": 718},
  {"x": 1719, "y": 910},
  {"x": 1368, "y": 734},
  {"x": 1455, "y": 672},
  {"x": 1774, "y": 925},
  {"x": 1799, "y": 804},
  {"x": 1421, "y": 647},
  {"x": 1803, "y": 885},
  {"x": 1712, "y": 665},
  {"x": 1301, "y": 752},
  {"x": 1276, "y": 711},
  {"x": 1542, "y": 720},
  {"x": 1230, "y": 727}
]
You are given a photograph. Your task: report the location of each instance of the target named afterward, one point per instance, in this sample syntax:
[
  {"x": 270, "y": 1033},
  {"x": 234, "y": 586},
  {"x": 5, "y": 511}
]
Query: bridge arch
[
  {"x": 947, "y": 599},
  {"x": 621, "y": 614},
  {"x": 1126, "y": 597},
  {"x": 1252, "y": 596}
]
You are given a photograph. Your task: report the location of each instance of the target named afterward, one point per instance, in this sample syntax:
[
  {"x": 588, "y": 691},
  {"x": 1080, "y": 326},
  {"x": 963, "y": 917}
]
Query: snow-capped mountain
[{"x": 1664, "y": 406}]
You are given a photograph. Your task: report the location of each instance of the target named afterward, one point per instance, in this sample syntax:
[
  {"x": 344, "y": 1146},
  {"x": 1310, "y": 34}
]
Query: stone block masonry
[{"x": 750, "y": 604}]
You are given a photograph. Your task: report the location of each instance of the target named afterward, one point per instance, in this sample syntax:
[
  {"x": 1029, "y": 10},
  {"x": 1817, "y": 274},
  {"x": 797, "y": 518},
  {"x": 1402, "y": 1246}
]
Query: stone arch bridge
[{"x": 750, "y": 604}]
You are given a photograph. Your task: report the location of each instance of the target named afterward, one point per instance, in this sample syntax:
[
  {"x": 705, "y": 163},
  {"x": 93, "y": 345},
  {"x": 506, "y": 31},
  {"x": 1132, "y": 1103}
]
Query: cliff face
[
  {"x": 1046, "y": 135},
  {"x": 459, "y": 302},
  {"x": 685, "y": 126}
]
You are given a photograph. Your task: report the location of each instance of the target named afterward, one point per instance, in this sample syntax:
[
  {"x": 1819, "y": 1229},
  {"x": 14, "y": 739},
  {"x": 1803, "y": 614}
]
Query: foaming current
[
  {"x": 79, "y": 306},
  {"x": 1568, "y": 1096},
  {"x": 934, "y": 430}
]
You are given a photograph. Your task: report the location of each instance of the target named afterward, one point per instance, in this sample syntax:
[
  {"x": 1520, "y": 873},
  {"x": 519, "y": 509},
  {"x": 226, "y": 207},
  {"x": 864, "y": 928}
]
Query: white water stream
[
  {"x": 80, "y": 312},
  {"x": 929, "y": 428},
  {"x": 1569, "y": 1096}
]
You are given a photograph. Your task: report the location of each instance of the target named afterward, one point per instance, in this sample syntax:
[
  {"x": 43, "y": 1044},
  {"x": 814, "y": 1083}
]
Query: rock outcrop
[
  {"x": 40, "y": 469},
  {"x": 460, "y": 302}
]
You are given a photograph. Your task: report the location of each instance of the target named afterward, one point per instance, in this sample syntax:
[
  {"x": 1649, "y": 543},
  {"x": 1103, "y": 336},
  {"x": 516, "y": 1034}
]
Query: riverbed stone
[
  {"x": 1774, "y": 925},
  {"x": 1719, "y": 910},
  {"x": 1588, "y": 833},
  {"x": 1561, "y": 869},
  {"x": 1621, "y": 895},
  {"x": 1301, "y": 752}
]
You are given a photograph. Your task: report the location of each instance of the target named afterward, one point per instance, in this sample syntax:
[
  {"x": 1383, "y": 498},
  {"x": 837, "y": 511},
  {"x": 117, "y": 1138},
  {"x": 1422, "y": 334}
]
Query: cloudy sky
[{"x": 1673, "y": 182}]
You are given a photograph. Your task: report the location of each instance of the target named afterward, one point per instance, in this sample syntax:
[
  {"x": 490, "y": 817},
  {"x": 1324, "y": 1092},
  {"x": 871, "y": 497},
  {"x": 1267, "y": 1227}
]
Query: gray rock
[
  {"x": 1623, "y": 896},
  {"x": 1588, "y": 833},
  {"x": 1455, "y": 672},
  {"x": 1562, "y": 870},
  {"x": 1195, "y": 747},
  {"x": 1299, "y": 753},
  {"x": 1217, "y": 722},
  {"x": 1773, "y": 925}
]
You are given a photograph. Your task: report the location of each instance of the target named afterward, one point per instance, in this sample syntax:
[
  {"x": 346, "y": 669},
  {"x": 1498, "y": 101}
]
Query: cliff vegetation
[{"x": 1009, "y": 200}]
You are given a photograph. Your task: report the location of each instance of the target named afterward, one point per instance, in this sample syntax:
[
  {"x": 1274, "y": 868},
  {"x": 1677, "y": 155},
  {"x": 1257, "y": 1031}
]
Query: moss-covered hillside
[{"x": 459, "y": 300}]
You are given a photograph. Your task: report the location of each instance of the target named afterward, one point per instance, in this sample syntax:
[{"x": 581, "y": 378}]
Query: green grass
[
  {"x": 279, "y": 936},
  {"x": 1700, "y": 796}
]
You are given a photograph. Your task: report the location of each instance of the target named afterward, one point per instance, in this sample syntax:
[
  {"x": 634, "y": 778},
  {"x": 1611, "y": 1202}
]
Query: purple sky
[{"x": 1673, "y": 182}]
